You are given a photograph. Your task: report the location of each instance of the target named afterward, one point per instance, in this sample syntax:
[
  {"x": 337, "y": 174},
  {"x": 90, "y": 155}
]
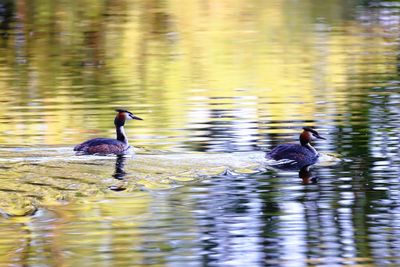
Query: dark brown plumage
[
  {"x": 106, "y": 146},
  {"x": 301, "y": 154}
]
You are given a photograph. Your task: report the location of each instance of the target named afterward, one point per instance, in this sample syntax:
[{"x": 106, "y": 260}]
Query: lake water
[{"x": 217, "y": 83}]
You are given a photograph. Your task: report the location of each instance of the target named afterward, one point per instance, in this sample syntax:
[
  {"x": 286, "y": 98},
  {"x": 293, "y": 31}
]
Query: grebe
[
  {"x": 105, "y": 146},
  {"x": 301, "y": 155}
]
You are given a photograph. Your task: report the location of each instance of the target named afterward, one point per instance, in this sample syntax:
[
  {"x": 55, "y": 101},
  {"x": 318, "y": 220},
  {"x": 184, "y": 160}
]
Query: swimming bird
[
  {"x": 106, "y": 146},
  {"x": 300, "y": 154}
]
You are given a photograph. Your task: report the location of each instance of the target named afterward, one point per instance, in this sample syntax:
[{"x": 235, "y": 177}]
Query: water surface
[{"x": 217, "y": 84}]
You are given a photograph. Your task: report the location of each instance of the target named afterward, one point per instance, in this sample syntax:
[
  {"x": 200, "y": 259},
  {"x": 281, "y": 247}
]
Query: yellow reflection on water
[
  {"x": 65, "y": 235},
  {"x": 188, "y": 68},
  {"x": 68, "y": 68}
]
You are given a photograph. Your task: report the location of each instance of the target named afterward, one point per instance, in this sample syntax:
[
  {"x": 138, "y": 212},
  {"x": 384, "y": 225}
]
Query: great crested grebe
[
  {"x": 105, "y": 146},
  {"x": 303, "y": 154}
]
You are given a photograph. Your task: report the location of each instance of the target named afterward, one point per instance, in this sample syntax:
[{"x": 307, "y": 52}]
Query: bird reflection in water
[
  {"x": 119, "y": 173},
  {"x": 305, "y": 173},
  {"x": 306, "y": 176}
]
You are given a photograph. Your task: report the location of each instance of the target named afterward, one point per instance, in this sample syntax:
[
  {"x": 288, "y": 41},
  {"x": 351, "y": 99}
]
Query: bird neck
[
  {"x": 121, "y": 136},
  {"x": 311, "y": 148},
  {"x": 305, "y": 138},
  {"x": 119, "y": 128}
]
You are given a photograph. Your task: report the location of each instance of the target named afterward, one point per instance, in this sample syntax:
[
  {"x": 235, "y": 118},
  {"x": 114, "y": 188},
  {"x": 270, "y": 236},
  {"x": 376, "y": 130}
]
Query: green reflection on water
[
  {"x": 205, "y": 76},
  {"x": 67, "y": 65}
]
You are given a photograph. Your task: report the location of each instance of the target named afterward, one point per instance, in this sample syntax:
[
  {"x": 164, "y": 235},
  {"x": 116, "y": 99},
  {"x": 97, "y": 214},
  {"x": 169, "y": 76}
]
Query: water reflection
[
  {"x": 119, "y": 173},
  {"x": 218, "y": 129},
  {"x": 222, "y": 76},
  {"x": 306, "y": 175},
  {"x": 6, "y": 16},
  {"x": 120, "y": 54}
]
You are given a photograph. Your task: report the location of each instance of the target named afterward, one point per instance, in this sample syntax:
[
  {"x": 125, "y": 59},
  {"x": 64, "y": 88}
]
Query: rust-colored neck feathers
[
  {"x": 305, "y": 138},
  {"x": 120, "y": 119}
]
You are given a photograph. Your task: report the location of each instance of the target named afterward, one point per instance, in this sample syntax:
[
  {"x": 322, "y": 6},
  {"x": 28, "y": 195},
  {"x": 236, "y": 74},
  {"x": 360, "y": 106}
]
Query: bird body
[
  {"x": 106, "y": 146},
  {"x": 301, "y": 154}
]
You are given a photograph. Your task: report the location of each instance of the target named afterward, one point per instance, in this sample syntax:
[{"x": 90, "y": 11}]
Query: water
[{"x": 217, "y": 84}]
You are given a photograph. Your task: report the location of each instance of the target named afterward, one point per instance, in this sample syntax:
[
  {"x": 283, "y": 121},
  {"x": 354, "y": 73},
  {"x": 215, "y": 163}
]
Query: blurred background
[{"x": 206, "y": 76}]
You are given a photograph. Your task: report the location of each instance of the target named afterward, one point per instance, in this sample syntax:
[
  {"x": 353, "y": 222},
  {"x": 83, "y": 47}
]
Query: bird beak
[
  {"x": 320, "y": 137},
  {"x": 133, "y": 117}
]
